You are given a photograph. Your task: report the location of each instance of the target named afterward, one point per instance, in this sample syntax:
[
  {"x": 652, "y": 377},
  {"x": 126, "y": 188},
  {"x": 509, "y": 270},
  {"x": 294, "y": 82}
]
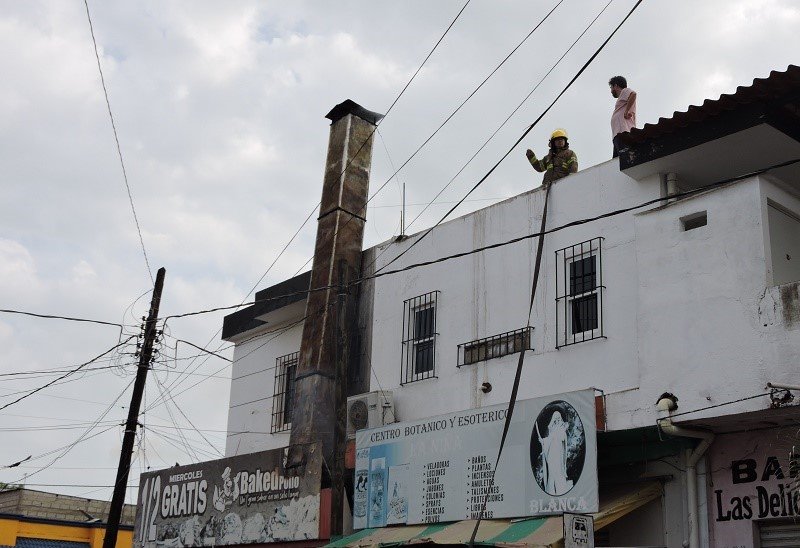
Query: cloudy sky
[{"x": 220, "y": 111}]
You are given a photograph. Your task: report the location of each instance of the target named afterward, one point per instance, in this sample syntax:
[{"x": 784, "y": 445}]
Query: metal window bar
[
  {"x": 283, "y": 392},
  {"x": 579, "y": 293},
  {"x": 495, "y": 346},
  {"x": 418, "y": 360}
]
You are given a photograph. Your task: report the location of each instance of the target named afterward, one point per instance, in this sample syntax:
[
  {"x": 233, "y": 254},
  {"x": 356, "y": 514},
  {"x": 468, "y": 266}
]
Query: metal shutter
[{"x": 779, "y": 534}]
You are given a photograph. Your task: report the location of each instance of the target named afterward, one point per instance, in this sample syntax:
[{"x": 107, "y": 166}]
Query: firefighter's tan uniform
[{"x": 556, "y": 164}]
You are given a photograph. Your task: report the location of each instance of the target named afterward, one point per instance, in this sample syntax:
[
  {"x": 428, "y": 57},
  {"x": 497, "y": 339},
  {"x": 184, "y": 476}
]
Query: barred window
[
  {"x": 419, "y": 338},
  {"x": 283, "y": 395},
  {"x": 494, "y": 346},
  {"x": 579, "y": 293}
]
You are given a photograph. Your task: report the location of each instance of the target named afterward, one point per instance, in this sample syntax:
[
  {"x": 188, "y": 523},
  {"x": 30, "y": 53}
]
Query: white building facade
[{"x": 696, "y": 297}]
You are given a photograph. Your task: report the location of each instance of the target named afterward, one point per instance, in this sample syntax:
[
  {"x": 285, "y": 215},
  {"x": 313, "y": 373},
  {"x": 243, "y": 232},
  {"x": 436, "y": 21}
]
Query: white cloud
[{"x": 220, "y": 111}]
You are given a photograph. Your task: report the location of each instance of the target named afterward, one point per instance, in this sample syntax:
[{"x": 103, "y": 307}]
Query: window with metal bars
[
  {"x": 579, "y": 293},
  {"x": 495, "y": 346},
  {"x": 283, "y": 394},
  {"x": 419, "y": 338}
]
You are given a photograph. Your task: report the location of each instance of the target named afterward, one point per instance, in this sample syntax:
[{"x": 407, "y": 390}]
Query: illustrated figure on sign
[
  {"x": 554, "y": 456},
  {"x": 224, "y": 498}
]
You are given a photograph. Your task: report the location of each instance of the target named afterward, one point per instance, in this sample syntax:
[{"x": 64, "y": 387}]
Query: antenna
[{"x": 403, "y": 213}]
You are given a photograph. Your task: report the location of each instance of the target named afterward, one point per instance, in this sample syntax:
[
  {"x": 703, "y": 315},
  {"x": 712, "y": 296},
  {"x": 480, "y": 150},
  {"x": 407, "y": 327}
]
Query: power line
[
  {"x": 278, "y": 333},
  {"x": 511, "y": 241},
  {"x": 37, "y": 373},
  {"x": 521, "y": 137},
  {"x": 536, "y": 271},
  {"x": 116, "y": 140},
  {"x": 496, "y": 131},
  {"x": 464, "y": 102},
  {"x": 91, "y": 372},
  {"x": 513, "y": 112},
  {"x": 207, "y": 351},
  {"x": 65, "y": 375},
  {"x": 391, "y": 106},
  {"x": 180, "y": 410},
  {"x": 54, "y": 317}
]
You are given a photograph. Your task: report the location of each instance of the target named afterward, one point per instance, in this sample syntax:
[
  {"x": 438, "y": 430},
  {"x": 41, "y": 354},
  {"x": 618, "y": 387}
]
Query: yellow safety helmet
[{"x": 559, "y": 133}]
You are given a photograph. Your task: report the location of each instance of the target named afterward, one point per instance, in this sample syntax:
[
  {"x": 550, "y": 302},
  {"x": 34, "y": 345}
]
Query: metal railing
[
  {"x": 495, "y": 346},
  {"x": 418, "y": 360},
  {"x": 579, "y": 293},
  {"x": 283, "y": 394}
]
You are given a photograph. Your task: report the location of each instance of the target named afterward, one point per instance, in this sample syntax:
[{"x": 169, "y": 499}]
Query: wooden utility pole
[{"x": 146, "y": 352}]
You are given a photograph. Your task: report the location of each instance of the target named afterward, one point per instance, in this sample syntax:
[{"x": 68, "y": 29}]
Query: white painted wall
[
  {"x": 253, "y": 379},
  {"x": 487, "y": 293},
  {"x": 689, "y": 312},
  {"x": 680, "y": 308}
]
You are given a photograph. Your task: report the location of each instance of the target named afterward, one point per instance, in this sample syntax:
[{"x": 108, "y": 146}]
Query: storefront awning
[{"x": 535, "y": 532}]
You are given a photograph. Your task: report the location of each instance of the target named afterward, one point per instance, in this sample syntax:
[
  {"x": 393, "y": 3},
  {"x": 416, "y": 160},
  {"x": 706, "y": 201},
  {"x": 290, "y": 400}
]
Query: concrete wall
[
  {"x": 681, "y": 309},
  {"x": 40, "y": 504},
  {"x": 252, "y": 384},
  {"x": 487, "y": 293}
]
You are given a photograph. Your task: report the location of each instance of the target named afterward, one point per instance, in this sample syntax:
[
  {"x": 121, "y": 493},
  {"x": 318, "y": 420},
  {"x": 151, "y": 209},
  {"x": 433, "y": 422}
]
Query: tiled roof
[{"x": 777, "y": 84}]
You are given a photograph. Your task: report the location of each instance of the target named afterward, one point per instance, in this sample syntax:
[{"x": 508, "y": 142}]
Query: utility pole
[{"x": 146, "y": 352}]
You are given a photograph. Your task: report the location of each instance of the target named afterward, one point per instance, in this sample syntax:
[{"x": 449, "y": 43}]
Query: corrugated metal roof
[{"x": 777, "y": 84}]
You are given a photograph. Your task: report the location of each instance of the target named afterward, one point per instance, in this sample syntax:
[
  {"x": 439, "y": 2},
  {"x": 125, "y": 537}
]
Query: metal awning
[{"x": 535, "y": 532}]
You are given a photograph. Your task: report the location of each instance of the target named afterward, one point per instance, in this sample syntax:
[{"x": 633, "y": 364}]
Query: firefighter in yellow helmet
[{"x": 559, "y": 162}]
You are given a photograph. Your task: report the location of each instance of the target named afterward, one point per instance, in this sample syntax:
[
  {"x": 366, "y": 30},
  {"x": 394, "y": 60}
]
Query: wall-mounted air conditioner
[{"x": 369, "y": 411}]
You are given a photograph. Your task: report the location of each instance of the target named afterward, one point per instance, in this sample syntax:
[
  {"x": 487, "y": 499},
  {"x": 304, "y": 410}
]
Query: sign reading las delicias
[
  {"x": 440, "y": 469},
  {"x": 237, "y": 500}
]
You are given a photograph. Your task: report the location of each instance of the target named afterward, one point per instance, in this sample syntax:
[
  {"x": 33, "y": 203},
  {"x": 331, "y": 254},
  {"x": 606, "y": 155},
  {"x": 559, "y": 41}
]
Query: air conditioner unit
[{"x": 369, "y": 410}]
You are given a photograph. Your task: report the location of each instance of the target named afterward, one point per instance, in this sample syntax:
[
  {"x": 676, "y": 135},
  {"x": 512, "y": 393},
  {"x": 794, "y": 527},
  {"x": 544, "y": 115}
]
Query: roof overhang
[
  {"x": 747, "y": 150},
  {"x": 753, "y": 128}
]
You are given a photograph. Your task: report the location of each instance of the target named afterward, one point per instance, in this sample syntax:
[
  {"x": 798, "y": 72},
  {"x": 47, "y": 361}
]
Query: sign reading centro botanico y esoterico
[
  {"x": 236, "y": 500},
  {"x": 440, "y": 469}
]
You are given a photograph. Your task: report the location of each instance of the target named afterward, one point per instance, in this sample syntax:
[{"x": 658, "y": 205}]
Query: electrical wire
[
  {"x": 495, "y": 132},
  {"x": 54, "y": 317},
  {"x": 277, "y": 333},
  {"x": 85, "y": 436},
  {"x": 182, "y": 439},
  {"x": 513, "y": 112},
  {"x": 368, "y": 139},
  {"x": 65, "y": 375},
  {"x": 519, "y": 140},
  {"x": 180, "y": 410},
  {"x": 511, "y": 241},
  {"x": 116, "y": 140}
]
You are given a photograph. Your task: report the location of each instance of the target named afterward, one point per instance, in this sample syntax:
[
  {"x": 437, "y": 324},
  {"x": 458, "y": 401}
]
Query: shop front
[{"x": 754, "y": 499}]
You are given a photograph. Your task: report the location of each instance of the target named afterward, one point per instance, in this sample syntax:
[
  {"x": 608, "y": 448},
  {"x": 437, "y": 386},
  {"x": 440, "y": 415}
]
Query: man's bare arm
[{"x": 629, "y": 104}]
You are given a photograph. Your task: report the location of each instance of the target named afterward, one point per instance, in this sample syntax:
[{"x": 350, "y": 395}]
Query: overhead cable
[
  {"x": 391, "y": 106},
  {"x": 521, "y": 137},
  {"x": 54, "y": 317},
  {"x": 513, "y": 112},
  {"x": 511, "y": 241},
  {"x": 116, "y": 140},
  {"x": 65, "y": 375}
]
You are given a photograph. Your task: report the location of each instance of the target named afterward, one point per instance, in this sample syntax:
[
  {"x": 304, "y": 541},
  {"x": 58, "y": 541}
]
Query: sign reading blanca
[
  {"x": 774, "y": 492},
  {"x": 440, "y": 469}
]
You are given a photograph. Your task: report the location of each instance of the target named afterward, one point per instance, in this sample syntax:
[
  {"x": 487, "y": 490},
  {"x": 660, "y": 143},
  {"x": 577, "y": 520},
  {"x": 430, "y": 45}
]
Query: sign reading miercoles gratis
[
  {"x": 440, "y": 469},
  {"x": 237, "y": 500}
]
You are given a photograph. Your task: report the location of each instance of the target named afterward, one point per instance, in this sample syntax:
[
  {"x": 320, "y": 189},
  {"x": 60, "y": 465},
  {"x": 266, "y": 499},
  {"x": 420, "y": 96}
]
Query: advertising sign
[
  {"x": 440, "y": 468},
  {"x": 754, "y": 479},
  {"x": 237, "y": 500}
]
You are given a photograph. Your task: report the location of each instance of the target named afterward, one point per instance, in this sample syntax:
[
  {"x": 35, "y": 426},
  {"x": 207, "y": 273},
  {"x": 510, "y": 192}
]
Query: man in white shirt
[{"x": 624, "y": 116}]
